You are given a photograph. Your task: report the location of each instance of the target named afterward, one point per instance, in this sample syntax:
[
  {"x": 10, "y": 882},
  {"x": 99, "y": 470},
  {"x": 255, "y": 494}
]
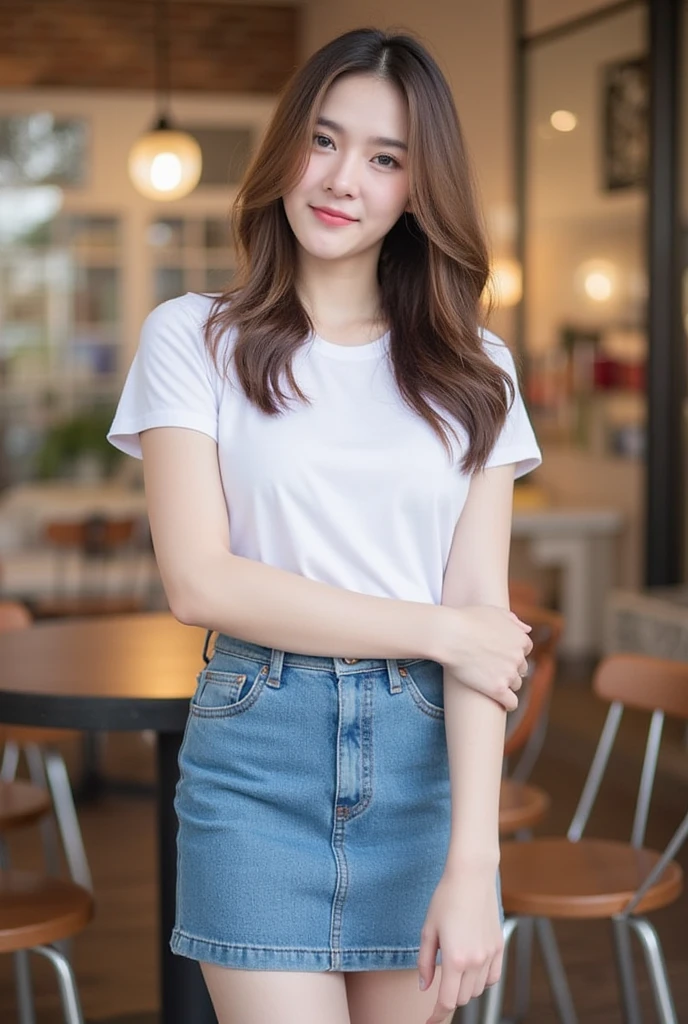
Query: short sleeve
[
  {"x": 516, "y": 442},
  {"x": 171, "y": 382}
]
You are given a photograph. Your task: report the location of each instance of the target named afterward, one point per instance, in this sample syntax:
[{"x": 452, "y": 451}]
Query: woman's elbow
[{"x": 183, "y": 602}]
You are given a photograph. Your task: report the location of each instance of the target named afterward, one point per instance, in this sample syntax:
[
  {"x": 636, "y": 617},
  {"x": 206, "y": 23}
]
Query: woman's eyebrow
[{"x": 379, "y": 140}]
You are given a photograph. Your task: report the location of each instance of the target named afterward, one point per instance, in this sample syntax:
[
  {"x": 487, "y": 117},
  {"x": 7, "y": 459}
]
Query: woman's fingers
[
  {"x": 481, "y": 980},
  {"x": 446, "y": 997},
  {"x": 426, "y": 960}
]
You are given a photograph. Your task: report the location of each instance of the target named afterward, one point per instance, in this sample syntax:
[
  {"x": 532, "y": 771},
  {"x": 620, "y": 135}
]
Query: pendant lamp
[{"x": 164, "y": 164}]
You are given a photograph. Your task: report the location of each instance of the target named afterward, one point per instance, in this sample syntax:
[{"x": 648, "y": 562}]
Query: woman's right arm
[{"x": 208, "y": 586}]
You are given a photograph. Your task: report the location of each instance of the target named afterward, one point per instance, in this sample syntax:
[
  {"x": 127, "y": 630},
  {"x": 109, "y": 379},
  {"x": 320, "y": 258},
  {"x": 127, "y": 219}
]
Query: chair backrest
[
  {"x": 523, "y": 592},
  {"x": 645, "y": 683},
  {"x": 656, "y": 685},
  {"x": 13, "y": 615},
  {"x": 533, "y": 703},
  {"x": 537, "y": 687}
]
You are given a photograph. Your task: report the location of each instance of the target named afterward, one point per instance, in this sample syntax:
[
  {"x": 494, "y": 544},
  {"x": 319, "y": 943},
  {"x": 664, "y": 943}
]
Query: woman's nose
[{"x": 342, "y": 179}]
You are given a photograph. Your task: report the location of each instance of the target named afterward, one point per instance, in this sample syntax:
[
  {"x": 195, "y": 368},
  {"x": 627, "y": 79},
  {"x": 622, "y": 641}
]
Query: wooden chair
[
  {"x": 48, "y": 771},
  {"x": 580, "y": 878},
  {"x": 91, "y": 547},
  {"x": 524, "y": 592},
  {"x": 36, "y": 912},
  {"x": 522, "y": 805}
]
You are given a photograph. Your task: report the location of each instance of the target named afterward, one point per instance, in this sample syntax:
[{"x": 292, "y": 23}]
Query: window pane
[
  {"x": 166, "y": 235},
  {"x": 225, "y": 151},
  {"x": 42, "y": 149},
  {"x": 218, "y": 279},
  {"x": 169, "y": 282}
]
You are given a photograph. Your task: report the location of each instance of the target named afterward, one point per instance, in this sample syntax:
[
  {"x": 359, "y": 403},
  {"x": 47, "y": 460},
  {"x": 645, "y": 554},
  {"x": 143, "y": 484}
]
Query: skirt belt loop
[
  {"x": 395, "y": 683},
  {"x": 276, "y": 663}
]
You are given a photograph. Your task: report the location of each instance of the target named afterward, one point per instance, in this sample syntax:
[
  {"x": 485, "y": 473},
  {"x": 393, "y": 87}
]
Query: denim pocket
[
  {"x": 221, "y": 694},
  {"x": 425, "y": 683}
]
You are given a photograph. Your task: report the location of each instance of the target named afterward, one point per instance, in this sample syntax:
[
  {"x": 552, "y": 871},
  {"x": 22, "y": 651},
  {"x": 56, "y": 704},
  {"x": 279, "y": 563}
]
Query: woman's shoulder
[
  {"x": 193, "y": 309},
  {"x": 178, "y": 325},
  {"x": 498, "y": 350}
]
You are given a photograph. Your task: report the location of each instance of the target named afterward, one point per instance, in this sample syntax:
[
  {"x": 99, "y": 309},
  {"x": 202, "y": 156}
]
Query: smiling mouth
[{"x": 333, "y": 217}]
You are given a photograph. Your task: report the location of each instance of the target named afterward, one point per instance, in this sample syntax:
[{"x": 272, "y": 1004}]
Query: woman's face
[{"x": 355, "y": 186}]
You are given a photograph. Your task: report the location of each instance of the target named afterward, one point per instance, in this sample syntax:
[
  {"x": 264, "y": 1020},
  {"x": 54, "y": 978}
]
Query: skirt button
[{"x": 350, "y": 661}]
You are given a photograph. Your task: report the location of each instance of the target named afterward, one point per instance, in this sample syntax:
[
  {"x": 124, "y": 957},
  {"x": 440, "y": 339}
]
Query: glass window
[{"x": 41, "y": 149}]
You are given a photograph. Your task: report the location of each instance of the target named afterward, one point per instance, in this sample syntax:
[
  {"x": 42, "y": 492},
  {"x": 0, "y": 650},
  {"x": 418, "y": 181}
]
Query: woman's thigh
[
  {"x": 390, "y": 997},
  {"x": 276, "y": 997}
]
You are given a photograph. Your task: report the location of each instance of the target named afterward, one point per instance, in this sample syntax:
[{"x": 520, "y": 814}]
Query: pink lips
[{"x": 332, "y": 217}]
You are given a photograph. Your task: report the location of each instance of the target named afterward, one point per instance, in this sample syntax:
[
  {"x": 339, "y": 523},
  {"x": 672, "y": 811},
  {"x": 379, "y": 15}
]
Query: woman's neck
[{"x": 341, "y": 296}]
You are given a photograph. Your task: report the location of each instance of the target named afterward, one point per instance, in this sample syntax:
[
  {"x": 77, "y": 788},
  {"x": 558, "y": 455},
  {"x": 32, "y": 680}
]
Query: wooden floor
[{"x": 115, "y": 959}]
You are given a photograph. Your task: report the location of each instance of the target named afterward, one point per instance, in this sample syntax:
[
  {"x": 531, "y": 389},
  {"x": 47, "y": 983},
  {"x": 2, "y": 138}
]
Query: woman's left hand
[{"x": 463, "y": 921}]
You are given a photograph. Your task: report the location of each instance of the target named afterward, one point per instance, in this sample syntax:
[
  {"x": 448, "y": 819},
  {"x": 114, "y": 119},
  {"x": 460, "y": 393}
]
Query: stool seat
[
  {"x": 37, "y": 910},
  {"x": 592, "y": 878},
  {"x": 22, "y": 803},
  {"x": 520, "y": 806}
]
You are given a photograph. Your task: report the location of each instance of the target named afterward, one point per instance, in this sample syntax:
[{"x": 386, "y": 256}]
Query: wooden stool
[
  {"x": 520, "y": 806},
  {"x": 591, "y": 878},
  {"x": 21, "y": 804},
  {"x": 48, "y": 771},
  {"x": 36, "y": 912}
]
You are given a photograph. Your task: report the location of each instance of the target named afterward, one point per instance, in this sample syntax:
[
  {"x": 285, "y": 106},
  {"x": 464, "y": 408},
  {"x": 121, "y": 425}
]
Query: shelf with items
[{"x": 588, "y": 391}]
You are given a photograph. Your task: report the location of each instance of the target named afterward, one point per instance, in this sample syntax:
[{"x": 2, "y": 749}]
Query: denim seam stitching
[{"x": 294, "y": 949}]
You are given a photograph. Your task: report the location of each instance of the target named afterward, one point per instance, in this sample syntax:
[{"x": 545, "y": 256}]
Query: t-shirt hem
[{"x": 125, "y": 435}]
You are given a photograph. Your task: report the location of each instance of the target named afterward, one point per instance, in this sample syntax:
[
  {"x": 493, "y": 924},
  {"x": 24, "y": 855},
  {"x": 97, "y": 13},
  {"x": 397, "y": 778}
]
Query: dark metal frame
[{"x": 666, "y": 386}]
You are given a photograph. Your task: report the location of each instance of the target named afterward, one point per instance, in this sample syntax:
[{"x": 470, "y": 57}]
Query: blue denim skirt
[{"x": 314, "y": 810}]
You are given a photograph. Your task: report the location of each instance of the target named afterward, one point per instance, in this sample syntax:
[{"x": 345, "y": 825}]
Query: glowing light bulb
[
  {"x": 166, "y": 172},
  {"x": 165, "y": 164},
  {"x": 563, "y": 120},
  {"x": 598, "y": 287}
]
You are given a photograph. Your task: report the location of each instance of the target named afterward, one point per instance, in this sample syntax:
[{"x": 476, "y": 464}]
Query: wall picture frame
[{"x": 626, "y": 142}]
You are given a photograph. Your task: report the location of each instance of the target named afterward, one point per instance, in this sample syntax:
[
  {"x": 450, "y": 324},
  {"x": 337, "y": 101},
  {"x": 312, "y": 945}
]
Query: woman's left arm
[{"x": 463, "y": 917}]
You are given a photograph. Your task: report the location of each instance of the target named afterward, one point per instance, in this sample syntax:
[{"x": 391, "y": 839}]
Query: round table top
[{"x": 124, "y": 672}]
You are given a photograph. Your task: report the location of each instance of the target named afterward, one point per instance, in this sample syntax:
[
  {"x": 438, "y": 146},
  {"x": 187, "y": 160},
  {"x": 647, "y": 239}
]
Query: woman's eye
[
  {"x": 387, "y": 161},
  {"x": 322, "y": 141}
]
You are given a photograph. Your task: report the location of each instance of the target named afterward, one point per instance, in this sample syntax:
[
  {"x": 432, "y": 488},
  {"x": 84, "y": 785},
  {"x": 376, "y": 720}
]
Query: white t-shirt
[{"x": 354, "y": 490}]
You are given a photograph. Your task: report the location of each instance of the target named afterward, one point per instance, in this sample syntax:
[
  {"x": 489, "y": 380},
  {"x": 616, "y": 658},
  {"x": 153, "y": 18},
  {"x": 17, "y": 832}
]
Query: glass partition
[{"x": 585, "y": 316}]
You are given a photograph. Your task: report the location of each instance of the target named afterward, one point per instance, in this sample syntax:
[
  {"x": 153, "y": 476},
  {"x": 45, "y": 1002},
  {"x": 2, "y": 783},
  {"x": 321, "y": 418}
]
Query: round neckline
[{"x": 351, "y": 353}]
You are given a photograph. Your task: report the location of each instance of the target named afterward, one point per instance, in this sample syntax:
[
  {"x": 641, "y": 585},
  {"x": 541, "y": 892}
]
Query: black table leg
[{"x": 184, "y": 996}]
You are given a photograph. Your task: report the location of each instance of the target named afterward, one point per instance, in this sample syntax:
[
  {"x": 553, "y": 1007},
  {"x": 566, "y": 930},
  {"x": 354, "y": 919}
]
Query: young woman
[{"x": 329, "y": 454}]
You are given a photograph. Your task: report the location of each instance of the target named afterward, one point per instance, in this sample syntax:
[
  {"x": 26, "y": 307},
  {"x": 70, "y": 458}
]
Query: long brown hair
[{"x": 433, "y": 264}]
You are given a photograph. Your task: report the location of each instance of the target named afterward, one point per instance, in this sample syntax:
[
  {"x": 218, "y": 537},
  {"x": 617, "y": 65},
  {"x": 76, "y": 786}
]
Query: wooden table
[{"x": 123, "y": 673}]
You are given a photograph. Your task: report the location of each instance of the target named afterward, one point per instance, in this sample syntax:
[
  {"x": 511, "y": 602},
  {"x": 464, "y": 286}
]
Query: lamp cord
[{"x": 162, "y": 68}]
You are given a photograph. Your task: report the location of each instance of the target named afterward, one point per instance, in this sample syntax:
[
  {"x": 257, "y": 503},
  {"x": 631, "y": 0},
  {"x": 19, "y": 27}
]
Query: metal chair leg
[
  {"x": 22, "y": 978},
  {"x": 21, "y": 962},
  {"x": 470, "y": 1013},
  {"x": 624, "y": 962},
  {"x": 65, "y": 977},
  {"x": 34, "y": 760},
  {"x": 67, "y": 820},
  {"x": 555, "y": 971},
  {"x": 654, "y": 958},
  {"x": 10, "y": 761},
  {"x": 523, "y": 967},
  {"x": 494, "y": 996}
]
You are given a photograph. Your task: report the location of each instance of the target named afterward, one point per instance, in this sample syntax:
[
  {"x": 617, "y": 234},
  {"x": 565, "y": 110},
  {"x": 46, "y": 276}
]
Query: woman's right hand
[{"x": 485, "y": 647}]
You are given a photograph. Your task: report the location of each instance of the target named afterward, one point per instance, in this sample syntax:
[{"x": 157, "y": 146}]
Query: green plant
[{"x": 66, "y": 442}]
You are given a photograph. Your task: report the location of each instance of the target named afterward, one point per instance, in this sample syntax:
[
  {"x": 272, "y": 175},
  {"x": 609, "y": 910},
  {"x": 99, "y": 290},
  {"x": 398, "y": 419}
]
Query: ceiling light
[
  {"x": 164, "y": 163},
  {"x": 563, "y": 120}
]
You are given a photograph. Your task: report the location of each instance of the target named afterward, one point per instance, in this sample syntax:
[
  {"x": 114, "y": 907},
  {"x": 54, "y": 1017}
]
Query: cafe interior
[{"x": 125, "y": 128}]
